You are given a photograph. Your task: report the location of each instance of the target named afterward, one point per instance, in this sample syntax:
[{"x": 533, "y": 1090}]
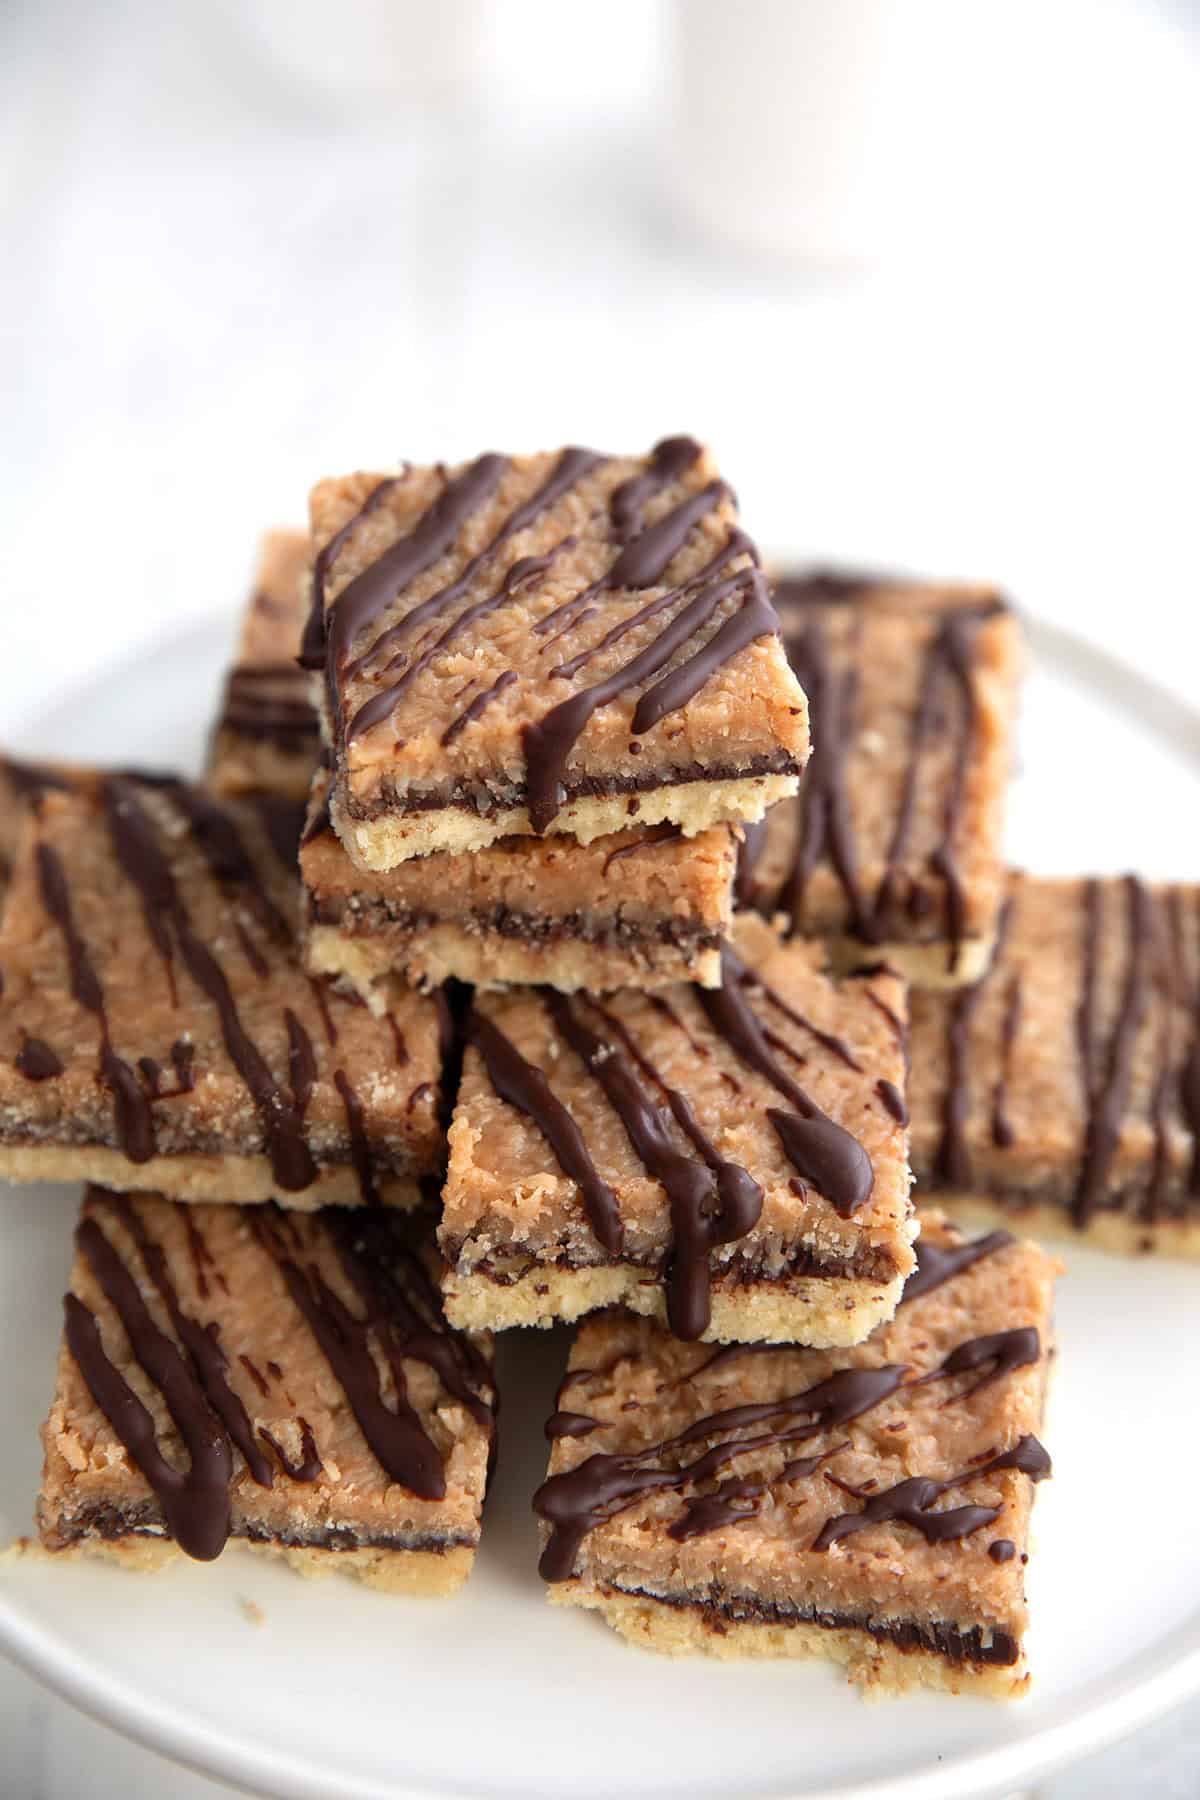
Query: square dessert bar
[
  {"x": 567, "y": 642},
  {"x": 267, "y": 735},
  {"x": 895, "y": 838},
  {"x": 157, "y": 1028},
  {"x": 639, "y": 908},
  {"x": 283, "y": 1380},
  {"x": 870, "y": 1506},
  {"x": 1063, "y": 1088},
  {"x": 732, "y": 1161}
]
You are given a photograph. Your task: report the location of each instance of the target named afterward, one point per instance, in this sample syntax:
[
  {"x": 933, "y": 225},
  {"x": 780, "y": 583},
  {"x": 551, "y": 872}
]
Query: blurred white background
[{"x": 926, "y": 273}]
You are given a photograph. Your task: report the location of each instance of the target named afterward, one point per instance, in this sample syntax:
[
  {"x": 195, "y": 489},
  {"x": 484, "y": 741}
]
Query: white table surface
[{"x": 219, "y": 283}]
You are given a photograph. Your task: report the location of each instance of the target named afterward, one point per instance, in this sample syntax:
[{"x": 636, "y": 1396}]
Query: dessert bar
[
  {"x": 869, "y": 1506},
  {"x": 266, "y": 737},
  {"x": 895, "y": 838},
  {"x": 573, "y": 643},
  {"x": 733, "y": 1161},
  {"x": 639, "y": 908},
  {"x": 282, "y": 1380},
  {"x": 158, "y": 1030},
  {"x": 1063, "y": 1088}
]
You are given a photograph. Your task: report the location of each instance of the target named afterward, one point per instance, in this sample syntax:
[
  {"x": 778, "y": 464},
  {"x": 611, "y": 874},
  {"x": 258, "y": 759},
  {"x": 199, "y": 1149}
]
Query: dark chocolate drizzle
[
  {"x": 36, "y": 1060},
  {"x": 143, "y": 862},
  {"x": 893, "y": 1100},
  {"x": 360, "y": 1148},
  {"x": 523, "y": 1085},
  {"x": 549, "y": 742},
  {"x": 1107, "y": 1075},
  {"x": 995, "y": 1355},
  {"x": 312, "y": 647},
  {"x": 827, "y": 827},
  {"x": 576, "y": 1500},
  {"x": 479, "y": 705},
  {"x": 309, "y": 1467},
  {"x": 713, "y": 1201},
  {"x": 820, "y": 1150},
  {"x": 195, "y": 1500},
  {"x": 954, "y": 1167},
  {"x": 936, "y": 1263},
  {"x": 404, "y": 561},
  {"x": 401, "y": 1318},
  {"x": 570, "y": 1424},
  {"x": 910, "y": 1502},
  {"x": 133, "y": 1118}
]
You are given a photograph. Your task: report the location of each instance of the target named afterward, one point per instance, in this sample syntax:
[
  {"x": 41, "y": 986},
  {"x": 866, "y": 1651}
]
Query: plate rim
[{"x": 1119, "y": 1707}]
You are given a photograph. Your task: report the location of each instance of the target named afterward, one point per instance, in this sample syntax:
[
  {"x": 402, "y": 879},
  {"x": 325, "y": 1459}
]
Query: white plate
[{"x": 343, "y": 1692}]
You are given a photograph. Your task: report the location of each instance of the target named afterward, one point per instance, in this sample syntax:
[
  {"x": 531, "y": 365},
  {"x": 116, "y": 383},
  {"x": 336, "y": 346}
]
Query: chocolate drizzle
[
  {"x": 893, "y": 1100},
  {"x": 1106, "y": 1077},
  {"x": 578, "y": 1499},
  {"x": 360, "y": 1148},
  {"x": 937, "y": 1263},
  {"x": 996, "y": 1355},
  {"x": 133, "y": 1118},
  {"x": 401, "y": 1319},
  {"x": 549, "y": 742},
  {"x": 570, "y": 1424},
  {"x": 145, "y": 865},
  {"x": 195, "y": 1501},
  {"x": 713, "y": 1201},
  {"x": 36, "y": 1061},
  {"x": 954, "y": 1166},
  {"x": 820, "y": 1150},
  {"x": 312, "y": 647},
  {"x": 522, "y": 1085},
  {"x": 910, "y": 1502},
  {"x": 946, "y": 702},
  {"x": 407, "y": 559},
  {"x": 479, "y": 705}
]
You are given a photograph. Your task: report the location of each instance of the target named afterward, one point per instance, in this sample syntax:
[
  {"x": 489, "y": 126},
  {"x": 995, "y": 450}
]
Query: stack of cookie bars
[{"x": 502, "y": 971}]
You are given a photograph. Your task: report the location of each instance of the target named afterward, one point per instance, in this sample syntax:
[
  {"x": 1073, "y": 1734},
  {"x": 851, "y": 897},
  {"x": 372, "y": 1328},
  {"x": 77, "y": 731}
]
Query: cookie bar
[
  {"x": 266, "y": 738},
  {"x": 282, "y": 1380},
  {"x": 640, "y": 908},
  {"x": 732, "y": 1161},
  {"x": 572, "y": 643},
  {"x": 158, "y": 1030},
  {"x": 869, "y": 1506},
  {"x": 895, "y": 838},
  {"x": 1063, "y": 1089}
]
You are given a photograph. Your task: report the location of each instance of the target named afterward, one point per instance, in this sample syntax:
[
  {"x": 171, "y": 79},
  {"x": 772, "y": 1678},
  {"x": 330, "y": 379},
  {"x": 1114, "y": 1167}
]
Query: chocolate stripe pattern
[
  {"x": 1132, "y": 1043},
  {"x": 145, "y": 846},
  {"x": 605, "y": 1484},
  {"x": 946, "y": 713},
  {"x": 400, "y": 1318}
]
